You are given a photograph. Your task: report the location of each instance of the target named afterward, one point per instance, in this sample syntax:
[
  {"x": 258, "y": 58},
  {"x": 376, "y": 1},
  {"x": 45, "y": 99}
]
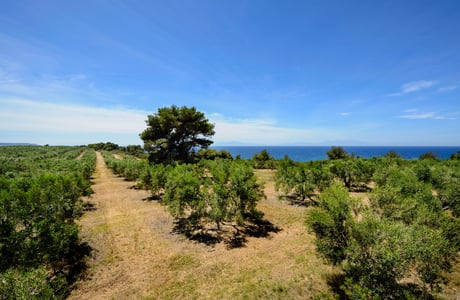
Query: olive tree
[
  {"x": 404, "y": 234},
  {"x": 213, "y": 191}
]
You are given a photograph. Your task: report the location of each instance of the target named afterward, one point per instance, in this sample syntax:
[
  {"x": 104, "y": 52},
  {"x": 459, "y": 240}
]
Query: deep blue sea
[{"x": 308, "y": 153}]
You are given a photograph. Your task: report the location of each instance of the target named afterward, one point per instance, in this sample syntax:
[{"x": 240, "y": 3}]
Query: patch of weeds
[{"x": 183, "y": 262}]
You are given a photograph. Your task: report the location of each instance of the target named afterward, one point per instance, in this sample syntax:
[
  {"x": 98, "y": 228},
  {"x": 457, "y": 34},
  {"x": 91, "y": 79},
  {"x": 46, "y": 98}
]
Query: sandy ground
[{"x": 136, "y": 255}]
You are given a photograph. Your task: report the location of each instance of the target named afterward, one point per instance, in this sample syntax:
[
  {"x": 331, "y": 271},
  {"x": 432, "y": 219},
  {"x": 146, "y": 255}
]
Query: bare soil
[
  {"x": 136, "y": 255},
  {"x": 117, "y": 156}
]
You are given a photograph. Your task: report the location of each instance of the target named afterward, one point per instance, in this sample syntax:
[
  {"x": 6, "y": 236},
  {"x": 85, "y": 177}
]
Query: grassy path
[
  {"x": 115, "y": 229},
  {"x": 137, "y": 257}
]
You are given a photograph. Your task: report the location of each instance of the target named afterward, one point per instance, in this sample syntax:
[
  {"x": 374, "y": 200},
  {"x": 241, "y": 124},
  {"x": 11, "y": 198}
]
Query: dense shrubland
[
  {"x": 40, "y": 190},
  {"x": 398, "y": 244}
]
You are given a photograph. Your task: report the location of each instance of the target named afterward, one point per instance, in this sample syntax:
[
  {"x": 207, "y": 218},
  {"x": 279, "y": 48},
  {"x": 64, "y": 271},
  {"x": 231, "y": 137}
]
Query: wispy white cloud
[
  {"x": 66, "y": 87},
  {"x": 445, "y": 89},
  {"x": 414, "y": 86},
  {"x": 413, "y": 114},
  {"x": 266, "y": 132},
  {"x": 31, "y": 118},
  {"x": 36, "y": 116},
  {"x": 345, "y": 114}
]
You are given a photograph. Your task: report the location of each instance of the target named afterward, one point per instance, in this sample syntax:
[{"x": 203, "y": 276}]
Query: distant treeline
[{"x": 135, "y": 150}]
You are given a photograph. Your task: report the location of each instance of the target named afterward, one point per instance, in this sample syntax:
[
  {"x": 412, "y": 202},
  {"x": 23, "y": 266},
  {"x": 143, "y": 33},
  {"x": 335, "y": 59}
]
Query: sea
[{"x": 309, "y": 153}]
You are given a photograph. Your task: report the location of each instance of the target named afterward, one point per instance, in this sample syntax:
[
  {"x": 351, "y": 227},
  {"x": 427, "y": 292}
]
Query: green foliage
[
  {"x": 30, "y": 284},
  {"x": 332, "y": 222},
  {"x": 244, "y": 192},
  {"x": 393, "y": 154},
  {"x": 455, "y": 156},
  {"x": 38, "y": 208},
  {"x": 174, "y": 133},
  {"x": 108, "y": 146},
  {"x": 215, "y": 191},
  {"x": 154, "y": 177},
  {"x": 337, "y": 153},
  {"x": 377, "y": 256},
  {"x": 183, "y": 194},
  {"x": 322, "y": 175},
  {"x": 301, "y": 179},
  {"x": 353, "y": 171},
  {"x": 428, "y": 155},
  {"x": 356, "y": 291},
  {"x": 134, "y": 150},
  {"x": 129, "y": 167},
  {"x": 449, "y": 195},
  {"x": 263, "y": 160},
  {"x": 409, "y": 232},
  {"x": 212, "y": 154},
  {"x": 284, "y": 175}
]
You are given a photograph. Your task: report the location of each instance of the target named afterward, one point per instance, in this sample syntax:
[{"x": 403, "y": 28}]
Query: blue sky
[{"x": 264, "y": 72}]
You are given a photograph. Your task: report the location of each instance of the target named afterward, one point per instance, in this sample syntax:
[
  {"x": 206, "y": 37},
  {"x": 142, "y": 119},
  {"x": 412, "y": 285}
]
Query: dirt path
[
  {"x": 82, "y": 154},
  {"x": 120, "y": 232},
  {"x": 137, "y": 257}
]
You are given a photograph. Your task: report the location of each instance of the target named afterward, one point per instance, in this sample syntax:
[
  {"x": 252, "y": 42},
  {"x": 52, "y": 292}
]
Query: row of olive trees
[
  {"x": 403, "y": 243},
  {"x": 211, "y": 191},
  {"x": 305, "y": 180},
  {"x": 214, "y": 191},
  {"x": 39, "y": 242}
]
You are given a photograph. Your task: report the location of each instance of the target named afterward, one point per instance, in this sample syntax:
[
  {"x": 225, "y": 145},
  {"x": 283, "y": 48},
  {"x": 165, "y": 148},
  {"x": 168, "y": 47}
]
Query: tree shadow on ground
[
  {"x": 153, "y": 198},
  {"x": 74, "y": 266},
  {"x": 297, "y": 201},
  {"x": 337, "y": 283},
  {"x": 88, "y": 206},
  {"x": 360, "y": 188},
  {"x": 196, "y": 232},
  {"x": 232, "y": 236}
]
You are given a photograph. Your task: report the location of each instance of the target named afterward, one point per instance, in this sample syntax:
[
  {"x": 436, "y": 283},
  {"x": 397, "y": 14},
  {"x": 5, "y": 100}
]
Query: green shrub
[{"x": 29, "y": 284}]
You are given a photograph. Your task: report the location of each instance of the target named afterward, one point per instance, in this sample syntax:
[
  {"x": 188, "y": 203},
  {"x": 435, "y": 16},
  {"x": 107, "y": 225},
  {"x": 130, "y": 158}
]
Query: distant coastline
[
  {"x": 309, "y": 153},
  {"x": 17, "y": 144}
]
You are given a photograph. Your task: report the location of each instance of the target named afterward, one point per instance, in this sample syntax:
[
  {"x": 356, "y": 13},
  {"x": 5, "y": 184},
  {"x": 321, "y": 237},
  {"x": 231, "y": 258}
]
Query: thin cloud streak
[
  {"x": 413, "y": 115},
  {"x": 414, "y": 86},
  {"x": 446, "y": 89}
]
